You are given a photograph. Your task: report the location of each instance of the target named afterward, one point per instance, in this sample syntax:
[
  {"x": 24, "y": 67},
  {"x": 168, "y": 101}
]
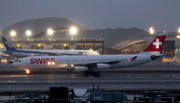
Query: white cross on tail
[{"x": 157, "y": 43}]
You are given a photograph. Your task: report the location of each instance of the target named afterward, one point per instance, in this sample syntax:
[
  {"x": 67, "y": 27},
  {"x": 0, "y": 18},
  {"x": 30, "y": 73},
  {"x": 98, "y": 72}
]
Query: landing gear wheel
[
  {"x": 91, "y": 73},
  {"x": 86, "y": 73},
  {"x": 96, "y": 74}
]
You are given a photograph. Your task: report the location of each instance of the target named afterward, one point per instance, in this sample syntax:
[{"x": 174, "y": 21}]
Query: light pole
[
  {"x": 28, "y": 33},
  {"x": 178, "y": 36},
  {"x": 164, "y": 31},
  {"x": 151, "y": 30},
  {"x": 50, "y": 32},
  {"x": 13, "y": 33},
  {"x": 73, "y": 31}
]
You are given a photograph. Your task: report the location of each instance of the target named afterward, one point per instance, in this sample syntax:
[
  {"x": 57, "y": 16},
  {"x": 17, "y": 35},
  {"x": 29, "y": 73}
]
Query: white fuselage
[
  {"x": 80, "y": 52},
  {"x": 25, "y": 53},
  {"x": 60, "y": 62}
]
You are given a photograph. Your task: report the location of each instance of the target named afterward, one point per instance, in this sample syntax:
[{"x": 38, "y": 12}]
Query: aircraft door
[{"x": 27, "y": 62}]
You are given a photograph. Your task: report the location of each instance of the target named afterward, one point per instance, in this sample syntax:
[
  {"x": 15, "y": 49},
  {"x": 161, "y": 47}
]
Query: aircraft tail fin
[
  {"x": 156, "y": 45},
  {"x": 8, "y": 45}
]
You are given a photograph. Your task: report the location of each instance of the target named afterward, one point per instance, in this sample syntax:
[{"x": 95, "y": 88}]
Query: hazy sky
[{"x": 96, "y": 14}]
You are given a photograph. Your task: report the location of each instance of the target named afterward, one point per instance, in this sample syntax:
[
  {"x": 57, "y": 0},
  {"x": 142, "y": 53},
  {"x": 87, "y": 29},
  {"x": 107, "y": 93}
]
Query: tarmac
[{"x": 150, "y": 76}]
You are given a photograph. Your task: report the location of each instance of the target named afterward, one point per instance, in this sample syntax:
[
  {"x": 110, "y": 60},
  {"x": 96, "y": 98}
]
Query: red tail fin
[{"x": 156, "y": 44}]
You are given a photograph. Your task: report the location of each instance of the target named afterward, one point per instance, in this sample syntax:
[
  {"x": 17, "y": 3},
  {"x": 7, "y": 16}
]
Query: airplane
[
  {"x": 92, "y": 63},
  {"x": 3, "y": 56},
  {"x": 12, "y": 51}
]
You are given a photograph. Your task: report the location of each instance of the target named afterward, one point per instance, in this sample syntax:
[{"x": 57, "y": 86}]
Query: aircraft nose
[{"x": 14, "y": 64}]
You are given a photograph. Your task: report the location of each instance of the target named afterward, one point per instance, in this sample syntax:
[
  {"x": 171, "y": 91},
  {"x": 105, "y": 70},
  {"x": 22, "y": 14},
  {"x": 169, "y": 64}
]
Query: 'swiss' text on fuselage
[{"x": 41, "y": 60}]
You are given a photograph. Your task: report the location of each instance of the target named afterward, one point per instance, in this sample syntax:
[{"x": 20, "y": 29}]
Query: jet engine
[
  {"x": 103, "y": 66},
  {"x": 80, "y": 68}
]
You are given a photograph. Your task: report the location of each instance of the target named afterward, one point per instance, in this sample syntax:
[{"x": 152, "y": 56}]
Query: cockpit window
[{"x": 18, "y": 60}]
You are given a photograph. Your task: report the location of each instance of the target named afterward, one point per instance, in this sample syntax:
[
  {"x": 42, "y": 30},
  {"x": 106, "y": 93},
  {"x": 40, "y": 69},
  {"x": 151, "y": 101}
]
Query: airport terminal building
[{"x": 54, "y": 33}]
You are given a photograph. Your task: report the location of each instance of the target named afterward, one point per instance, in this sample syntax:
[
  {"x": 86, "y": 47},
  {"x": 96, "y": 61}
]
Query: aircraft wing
[
  {"x": 6, "y": 52},
  {"x": 59, "y": 54},
  {"x": 95, "y": 63},
  {"x": 105, "y": 62},
  {"x": 3, "y": 55},
  {"x": 11, "y": 54},
  {"x": 52, "y": 54}
]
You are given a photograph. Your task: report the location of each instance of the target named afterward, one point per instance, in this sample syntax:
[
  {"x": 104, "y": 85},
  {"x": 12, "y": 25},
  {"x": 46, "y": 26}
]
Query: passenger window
[{"x": 18, "y": 61}]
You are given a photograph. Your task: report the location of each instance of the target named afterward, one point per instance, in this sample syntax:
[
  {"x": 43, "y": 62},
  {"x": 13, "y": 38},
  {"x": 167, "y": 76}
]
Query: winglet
[{"x": 8, "y": 45}]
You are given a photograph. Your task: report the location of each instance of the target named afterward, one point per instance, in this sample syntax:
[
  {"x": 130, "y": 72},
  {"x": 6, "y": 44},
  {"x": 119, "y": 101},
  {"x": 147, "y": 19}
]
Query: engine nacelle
[
  {"x": 80, "y": 68},
  {"x": 103, "y": 66}
]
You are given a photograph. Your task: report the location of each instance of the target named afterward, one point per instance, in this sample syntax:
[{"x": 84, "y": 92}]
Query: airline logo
[
  {"x": 157, "y": 43},
  {"x": 41, "y": 60},
  {"x": 8, "y": 44}
]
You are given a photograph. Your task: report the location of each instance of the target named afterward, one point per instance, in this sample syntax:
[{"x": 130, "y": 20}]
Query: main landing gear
[{"x": 91, "y": 73}]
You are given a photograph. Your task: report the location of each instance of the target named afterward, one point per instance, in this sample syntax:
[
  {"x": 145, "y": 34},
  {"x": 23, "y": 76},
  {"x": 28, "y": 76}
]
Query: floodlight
[
  {"x": 50, "y": 31},
  {"x": 28, "y": 33},
  {"x": 151, "y": 30},
  {"x": 73, "y": 30},
  {"x": 13, "y": 33}
]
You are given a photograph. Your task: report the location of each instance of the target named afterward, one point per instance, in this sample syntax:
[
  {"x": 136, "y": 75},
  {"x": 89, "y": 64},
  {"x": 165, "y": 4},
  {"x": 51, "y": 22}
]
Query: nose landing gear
[{"x": 28, "y": 72}]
